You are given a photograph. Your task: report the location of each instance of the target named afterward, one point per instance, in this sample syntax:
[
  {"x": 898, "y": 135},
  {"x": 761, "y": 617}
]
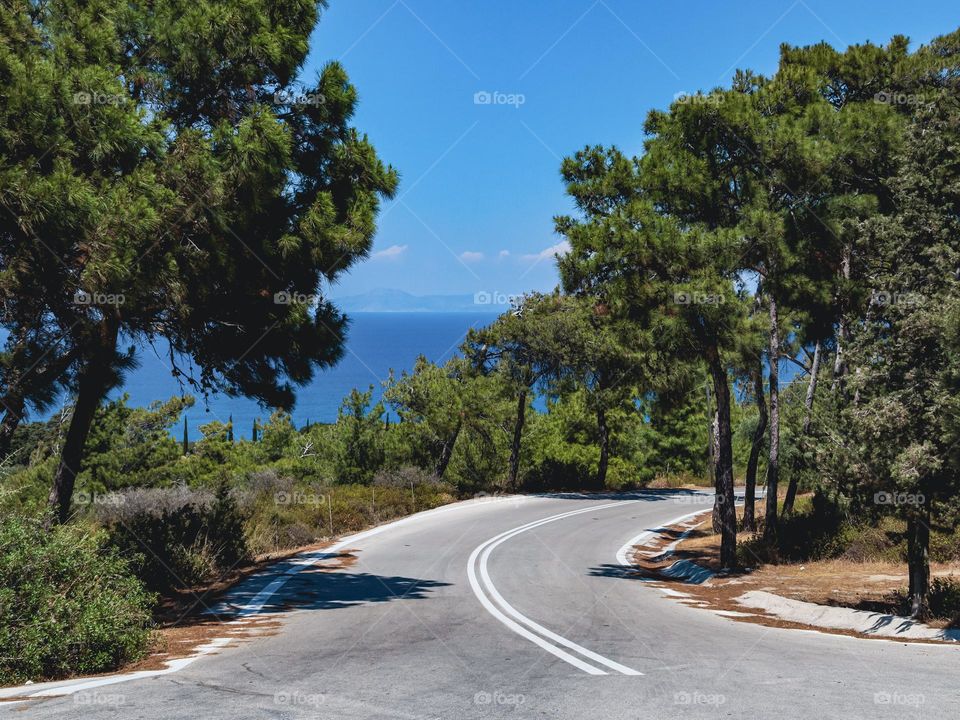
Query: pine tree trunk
[
  {"x": 804, "y": 431},
  {"x": 838, "y": 356},
  {"x": 724, "y": 482},
  {"x": 517, "y": 435},
  {"x": 711, "y": 448},
  {"x": 604, "y": 432},
  {"x": 773, "y": 462},
  {"x": 918, "y": 559},
  {"x": 447, "y": 452},
  {"x": 843, "y": 332},
  {"x": 717, "y": 516},
  {"x": 93, "y": 382},
  {"x": 749, "y": 503}
]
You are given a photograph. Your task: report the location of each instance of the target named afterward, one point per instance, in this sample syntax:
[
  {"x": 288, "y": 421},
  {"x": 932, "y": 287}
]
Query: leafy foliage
[
  {"x": 68, "y": 604},
  {"x": 188, "y": 539}
]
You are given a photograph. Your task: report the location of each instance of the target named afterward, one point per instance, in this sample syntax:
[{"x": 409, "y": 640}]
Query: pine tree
[
  {"x": 671, "y": 274},
  {"x": 903, "y": 426},
  {"x": 186, "y": 192}
]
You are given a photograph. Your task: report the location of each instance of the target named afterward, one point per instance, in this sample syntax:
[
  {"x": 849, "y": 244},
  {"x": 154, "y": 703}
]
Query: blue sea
[{"x": 376, "y": 342}]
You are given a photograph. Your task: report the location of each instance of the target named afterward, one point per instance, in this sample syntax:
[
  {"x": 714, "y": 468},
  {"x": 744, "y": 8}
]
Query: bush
[
  {"x": 180, "y": 537},
  {"x": 285, "y": 514},
  {"x": 945, "y": 544},
  {"x": 678, "y": 480},
  {"x": 404, "y": 477},
  {"x": 68, "y": 604},
  {"x": 818, "y": 529},
  {"x": 945, "y": 599}
]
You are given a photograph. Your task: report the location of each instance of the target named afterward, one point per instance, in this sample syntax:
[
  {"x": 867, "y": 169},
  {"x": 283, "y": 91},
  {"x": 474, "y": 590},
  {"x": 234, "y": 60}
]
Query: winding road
[{"x": 514, "y": 607}]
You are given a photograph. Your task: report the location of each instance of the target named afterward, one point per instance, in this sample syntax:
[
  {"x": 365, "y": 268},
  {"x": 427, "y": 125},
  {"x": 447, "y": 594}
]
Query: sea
[{"x": 376, "y": 343}]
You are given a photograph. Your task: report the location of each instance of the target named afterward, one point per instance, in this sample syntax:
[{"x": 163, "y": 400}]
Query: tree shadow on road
[
  {"x": 323, "y": 586},
  {"x": 654, "y": 494},
  {"x": 619, "y": 571}
]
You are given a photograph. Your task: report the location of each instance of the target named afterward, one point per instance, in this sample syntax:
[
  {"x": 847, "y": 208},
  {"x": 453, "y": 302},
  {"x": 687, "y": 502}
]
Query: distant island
[{"x": 389, "y": 300}]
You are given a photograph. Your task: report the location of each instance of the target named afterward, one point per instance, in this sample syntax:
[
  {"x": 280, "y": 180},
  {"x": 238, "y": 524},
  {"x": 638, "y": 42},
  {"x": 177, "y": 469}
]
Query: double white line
[{"x": 494, "y": 603}]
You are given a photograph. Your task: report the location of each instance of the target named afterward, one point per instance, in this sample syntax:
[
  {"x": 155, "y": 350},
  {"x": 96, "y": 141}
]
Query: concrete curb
[{"x": 841, "y": 618}]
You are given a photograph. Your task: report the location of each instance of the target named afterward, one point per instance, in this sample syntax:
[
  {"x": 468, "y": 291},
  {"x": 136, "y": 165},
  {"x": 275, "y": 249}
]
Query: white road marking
[
  {"x": 479, "y": 558},
  {"x": 623, "y": 554},
  {"x": 243, "y": 613},
  {"x": 255, "y": 605},
  {"x": 73, "y": 686}
]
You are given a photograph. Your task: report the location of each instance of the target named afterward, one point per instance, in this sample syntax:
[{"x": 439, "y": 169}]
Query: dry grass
[
  {"x": 846, "y": 583},
  {"x": 869, "y": 585},
  {"x": 680, "y": 482}
]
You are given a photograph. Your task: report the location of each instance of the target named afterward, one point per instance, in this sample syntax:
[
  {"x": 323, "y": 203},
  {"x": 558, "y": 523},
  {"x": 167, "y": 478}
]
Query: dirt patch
[
  {"x": 182, "y": 641},
  {"x": 184, "y": 627},
  {"x": 189, "y": 602},
  {"x": 840, "y": 583}
]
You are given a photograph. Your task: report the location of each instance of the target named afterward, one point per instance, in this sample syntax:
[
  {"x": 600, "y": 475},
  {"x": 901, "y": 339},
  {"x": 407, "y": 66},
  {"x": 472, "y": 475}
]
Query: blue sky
[{"x": 480, "y": 181}]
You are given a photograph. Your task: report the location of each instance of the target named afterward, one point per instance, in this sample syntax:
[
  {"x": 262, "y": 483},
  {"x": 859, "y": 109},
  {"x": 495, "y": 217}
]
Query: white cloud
[
  {"x": 470, "y": 256},
  {"x": 561, "y": 248},
  {"x": 391, "y": 253},
  {"x": 503, "y": 254}
]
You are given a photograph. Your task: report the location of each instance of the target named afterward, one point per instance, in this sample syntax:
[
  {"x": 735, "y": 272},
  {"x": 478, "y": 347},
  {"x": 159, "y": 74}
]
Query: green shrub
[
  {"x": 621, "y": 475},
  {"x": 284, "y": 514},
  {"x": 881, "y": 542},
  {"x": 818, "y": 529},
  {"x": 945, "y": 599},
  {"x": 180, "y": 537},
  {"x": 945, "y": 544},
  {"x": 68, "y": 604}
]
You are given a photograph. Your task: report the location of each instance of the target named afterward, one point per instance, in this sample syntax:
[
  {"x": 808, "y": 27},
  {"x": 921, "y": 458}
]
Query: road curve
[{"x": 518, "y": 607}]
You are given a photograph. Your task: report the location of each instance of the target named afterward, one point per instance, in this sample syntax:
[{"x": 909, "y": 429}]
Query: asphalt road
[{"x": 518, "y": 609}]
